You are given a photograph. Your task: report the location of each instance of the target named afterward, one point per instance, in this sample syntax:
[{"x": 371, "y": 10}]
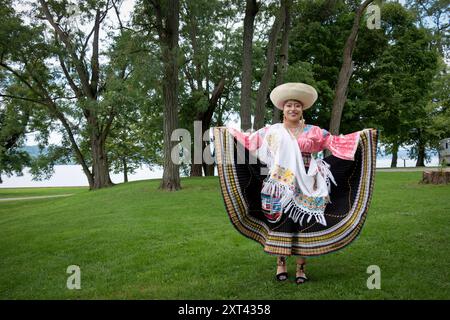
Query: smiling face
[{"x": 293, "y": 110}]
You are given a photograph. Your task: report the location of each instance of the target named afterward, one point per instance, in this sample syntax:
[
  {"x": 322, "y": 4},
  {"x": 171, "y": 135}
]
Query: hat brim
[{"x": 302, "y": 92}]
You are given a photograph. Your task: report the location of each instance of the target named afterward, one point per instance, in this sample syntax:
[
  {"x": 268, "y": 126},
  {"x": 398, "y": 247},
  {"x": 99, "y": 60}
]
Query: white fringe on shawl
[{"x": 279, "y": 148}]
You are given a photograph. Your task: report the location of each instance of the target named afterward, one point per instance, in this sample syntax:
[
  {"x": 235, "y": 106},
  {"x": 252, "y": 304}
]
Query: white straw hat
[{"x": 293, "y": 91}]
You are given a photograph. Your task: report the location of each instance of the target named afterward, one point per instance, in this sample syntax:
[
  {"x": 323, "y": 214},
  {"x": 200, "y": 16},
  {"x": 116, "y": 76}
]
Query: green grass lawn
[{"x": 133, "y": 241}]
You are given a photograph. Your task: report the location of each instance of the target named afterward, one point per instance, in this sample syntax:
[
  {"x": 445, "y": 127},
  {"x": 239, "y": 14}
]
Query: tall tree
[
  {"x": 61, "y": 65},
  {"x": 399, "y": 83},
  {"x": 206, "y": 82},
  {"x": 251, "y": 9},
  {"x": 261, "y": 98},
  {"x": 166, "y": 15},
  {"x": 346, "y": 71},
  {"x": 283, "y": 55},
  {"x": 88, "y": 91}
]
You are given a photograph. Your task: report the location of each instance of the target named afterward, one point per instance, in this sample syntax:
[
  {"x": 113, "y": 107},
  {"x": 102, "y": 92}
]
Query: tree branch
[
  {"x": 109, "y": 121},
  {"x": 94, "y": 60},
  {"x": 72, "y": 84},
  {"x": 117, "y": 15},
  {"x": 81, "y": 70},
  {"x": 159, "y": 22},
  {"x": 189, "y": 78},
  {"x": 20, "y": 77},
  {"x": 23, "y": 98}
]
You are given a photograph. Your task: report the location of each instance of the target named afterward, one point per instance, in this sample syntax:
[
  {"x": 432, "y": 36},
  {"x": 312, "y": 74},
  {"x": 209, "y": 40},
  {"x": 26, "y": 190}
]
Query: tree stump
[{"x": 436, "y": 176}]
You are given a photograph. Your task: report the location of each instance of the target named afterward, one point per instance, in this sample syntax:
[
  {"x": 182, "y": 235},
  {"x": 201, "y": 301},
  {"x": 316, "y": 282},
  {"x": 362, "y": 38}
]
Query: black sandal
[
  {"x": 301, "y": 279},
  {"x": 282, "y": 276}
]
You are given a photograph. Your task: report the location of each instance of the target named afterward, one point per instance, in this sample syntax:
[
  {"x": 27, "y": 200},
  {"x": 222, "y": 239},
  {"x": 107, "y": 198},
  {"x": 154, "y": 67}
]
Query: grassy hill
[{"x": 134, "y": 241}]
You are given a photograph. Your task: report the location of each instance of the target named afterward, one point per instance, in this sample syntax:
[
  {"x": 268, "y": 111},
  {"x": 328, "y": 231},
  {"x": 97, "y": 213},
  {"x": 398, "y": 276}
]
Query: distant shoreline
[{"x": 70, "y": 175}]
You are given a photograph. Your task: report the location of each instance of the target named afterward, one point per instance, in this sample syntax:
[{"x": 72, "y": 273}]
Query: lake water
[{"x": 72, "y": 175}]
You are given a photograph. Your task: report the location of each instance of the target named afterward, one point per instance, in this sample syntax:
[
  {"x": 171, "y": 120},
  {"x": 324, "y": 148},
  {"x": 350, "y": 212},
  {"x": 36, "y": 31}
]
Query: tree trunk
[
  {"x": 79, "y": 156},
  {"x": 208, "y": 169},
  {"x": 167, "y": 24},
  {"x": 283, "y": 60},
  {"x": 394, "y": 155},
  {"x": 261, "y": 98},
  {"x": 171, "y": 174},
  {"x": 346, "y": 71},
  {"x": 436, "y": 176},
  {"x": 125, "y": 170},
  {"x": 251, "y": 9},
  {"x": 100, "y": 168},
  {"x": 421, "y": 155},
  {"x": 205, "y": 118},
  {"x": 196, "y": 168}
]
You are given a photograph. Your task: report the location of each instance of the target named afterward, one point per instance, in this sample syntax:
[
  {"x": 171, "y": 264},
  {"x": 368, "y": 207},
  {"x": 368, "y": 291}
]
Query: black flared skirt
[{"x": 241, "y": 176}]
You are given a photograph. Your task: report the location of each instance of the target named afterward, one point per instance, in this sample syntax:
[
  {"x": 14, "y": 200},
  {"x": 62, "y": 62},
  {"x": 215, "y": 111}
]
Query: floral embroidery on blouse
[
  {"x": 283, "y": 174},
  {"x": 312, "y": 202}
]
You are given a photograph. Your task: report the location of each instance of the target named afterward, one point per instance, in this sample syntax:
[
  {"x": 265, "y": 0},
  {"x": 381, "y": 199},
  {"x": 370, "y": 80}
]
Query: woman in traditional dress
[{"x": 278, "y": 192}]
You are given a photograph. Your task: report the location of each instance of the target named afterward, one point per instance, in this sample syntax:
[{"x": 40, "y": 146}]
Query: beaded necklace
[{"x": 298, "y": 130}]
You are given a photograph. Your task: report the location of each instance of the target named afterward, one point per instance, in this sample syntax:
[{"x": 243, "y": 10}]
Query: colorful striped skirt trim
[{"x": 241, "y": 176}]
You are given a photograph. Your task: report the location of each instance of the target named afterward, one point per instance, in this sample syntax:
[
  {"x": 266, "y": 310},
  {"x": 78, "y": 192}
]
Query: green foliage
[
  {"x": 136, "y": 135},
  {"x": 42, "y": 167},
  {"x": 399, "y": 82},
  {"x": 319, "y": 32},
  {"x": 393, "y": 77},
  {"x": 438, "y": 108},
  {"x": 14, "y": 117}
]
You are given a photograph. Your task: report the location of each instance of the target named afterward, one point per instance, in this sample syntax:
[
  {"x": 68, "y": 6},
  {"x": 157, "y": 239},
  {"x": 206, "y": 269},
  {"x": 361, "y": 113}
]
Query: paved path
[{"x": 36, "y": 197}]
